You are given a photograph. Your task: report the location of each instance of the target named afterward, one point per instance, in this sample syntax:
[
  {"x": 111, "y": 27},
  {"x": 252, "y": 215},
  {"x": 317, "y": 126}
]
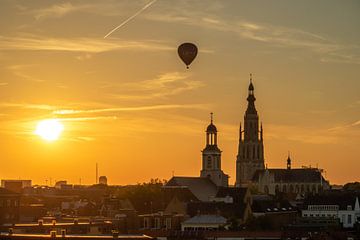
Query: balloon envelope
[{"x": 187, "y": 52}]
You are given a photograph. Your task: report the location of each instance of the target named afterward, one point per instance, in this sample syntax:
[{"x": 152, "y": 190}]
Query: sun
[{"x": 49, "y": 129}]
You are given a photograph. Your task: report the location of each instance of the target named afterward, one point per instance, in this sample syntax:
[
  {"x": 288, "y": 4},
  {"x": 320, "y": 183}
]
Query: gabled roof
[
  {"x": 182, "y": 193},
  {"x": 202, "y": 188},
  {"x": 305, "y": 175}
]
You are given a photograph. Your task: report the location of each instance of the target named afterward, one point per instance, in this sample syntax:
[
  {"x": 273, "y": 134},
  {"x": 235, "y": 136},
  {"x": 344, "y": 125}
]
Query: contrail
[{"x": 130, "y": 18}]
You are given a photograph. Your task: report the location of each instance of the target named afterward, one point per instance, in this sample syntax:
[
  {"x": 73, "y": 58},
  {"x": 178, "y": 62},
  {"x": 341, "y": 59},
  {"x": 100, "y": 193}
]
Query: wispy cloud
[
  {"x": 328, "y": 50},
  {"x": 129, "y": 109},
  {"x": 3, "y": 83},
  {"x": 89, "y": 45},
  {"x": 57, "y": 10},
  {"x": 167, "y": 84},
  {"x": 27, "y": 106}
]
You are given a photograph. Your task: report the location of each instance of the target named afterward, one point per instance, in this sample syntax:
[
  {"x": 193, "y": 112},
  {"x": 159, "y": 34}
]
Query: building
[
  {"x": 15, "y": 185},
  {"x": 103, "y": 180},
  {"x": 211, "y": 175},
  {"x": 9, "y": 206},
  {"x": 204, "y": 222},
  {"x": 202, "y": 188},
  {"x": 250, "y": 157},
  {"x": 297, "y": 181},
  {"x": 211, "y": 158},
  {"x": 250, "y": 163},
  {"x": 343, "y": 206}
]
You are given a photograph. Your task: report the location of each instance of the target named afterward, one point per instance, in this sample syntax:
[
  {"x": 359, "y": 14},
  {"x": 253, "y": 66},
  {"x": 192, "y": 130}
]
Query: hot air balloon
[{"x": 187, "y": 52}]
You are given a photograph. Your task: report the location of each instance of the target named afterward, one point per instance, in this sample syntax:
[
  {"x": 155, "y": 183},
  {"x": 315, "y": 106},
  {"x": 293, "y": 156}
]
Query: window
[
  {"x": 146, "y": 223},
  {"x": 157, "y": 223},
  {"x": 208, "y": 163},
  {"x": 349, "y": 219},
  {"x": 168, "y": 223}
]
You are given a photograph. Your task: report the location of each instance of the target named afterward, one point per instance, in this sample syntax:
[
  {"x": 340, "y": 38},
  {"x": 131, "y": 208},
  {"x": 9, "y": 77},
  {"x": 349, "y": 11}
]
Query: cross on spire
[{"x": 211, "y": 117}]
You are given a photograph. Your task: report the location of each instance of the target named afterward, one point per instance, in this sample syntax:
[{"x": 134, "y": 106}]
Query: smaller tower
[
  {"x": 288, "y": 162},
  {"x": 211, "y": 157}
]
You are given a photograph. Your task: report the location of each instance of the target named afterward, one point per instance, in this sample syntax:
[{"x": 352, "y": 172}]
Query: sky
[{"x": 128, "y": 103}]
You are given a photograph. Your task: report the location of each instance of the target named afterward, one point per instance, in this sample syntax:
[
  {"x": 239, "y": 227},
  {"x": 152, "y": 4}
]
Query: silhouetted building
[
  {"x": 202, "y": 188},
  {"x": 250, "y": 157},
  {"x": 103, "y": 180},
  {"x": 340, "y": 205},
  {"x": 250, "y": 170},
  {"x": 15, "y": 185},
  {"x": 9, "y": 206},
  {"x": 211, "y": 158},
  {"x": 297, "y": 181}
]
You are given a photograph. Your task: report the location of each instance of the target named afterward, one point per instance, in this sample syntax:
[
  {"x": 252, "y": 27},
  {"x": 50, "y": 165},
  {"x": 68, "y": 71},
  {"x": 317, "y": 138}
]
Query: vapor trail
[{"x": 130, "y": 18}]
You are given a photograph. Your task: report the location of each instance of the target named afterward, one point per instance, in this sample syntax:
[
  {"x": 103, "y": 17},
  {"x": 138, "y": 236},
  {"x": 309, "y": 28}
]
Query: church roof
[
  {"x": 202, "y": 188},
  {"x": 182, "y": 193},
  {"x": 305, "y": 175}
]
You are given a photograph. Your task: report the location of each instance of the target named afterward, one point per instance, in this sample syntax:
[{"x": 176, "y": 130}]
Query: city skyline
[{"x": 128, "y": 103}]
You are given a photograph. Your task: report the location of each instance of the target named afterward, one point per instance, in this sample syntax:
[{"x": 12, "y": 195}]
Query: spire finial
[
  {"x": 211, "y": 117},
  {"x": 250, "y": 77}
]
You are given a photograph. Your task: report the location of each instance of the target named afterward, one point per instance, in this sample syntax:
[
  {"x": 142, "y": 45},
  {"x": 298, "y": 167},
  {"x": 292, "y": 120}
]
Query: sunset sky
[{"x": 128, "y": 103}]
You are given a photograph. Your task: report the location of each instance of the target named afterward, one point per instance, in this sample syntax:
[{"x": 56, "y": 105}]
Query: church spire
[{"x": 251, "y": 98}]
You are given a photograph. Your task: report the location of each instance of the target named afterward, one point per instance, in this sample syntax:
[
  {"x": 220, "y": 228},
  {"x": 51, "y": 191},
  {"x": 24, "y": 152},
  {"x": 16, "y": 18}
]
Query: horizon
[{"x": 108, "y": 77}]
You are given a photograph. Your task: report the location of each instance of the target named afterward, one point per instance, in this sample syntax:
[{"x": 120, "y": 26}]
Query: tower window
[{"x": 208, "y": 163}]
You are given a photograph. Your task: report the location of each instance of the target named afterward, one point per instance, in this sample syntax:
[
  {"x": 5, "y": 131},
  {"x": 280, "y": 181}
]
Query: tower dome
[{"x": 211, "y": 128}]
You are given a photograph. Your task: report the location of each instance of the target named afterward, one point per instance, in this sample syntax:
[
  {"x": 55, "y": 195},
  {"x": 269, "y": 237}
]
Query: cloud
[
  {"x": 128, "y": 109},
  {"x": 27, "y": 106},
  {"x": 57, "y": 10},
  {"x": 167, "y": 84},
  {"x": 300, "y": 134},
  {"x": 3, "y": 83},
  {"x": 88, "y": 45},
  {"x": 328, "y": 50}
]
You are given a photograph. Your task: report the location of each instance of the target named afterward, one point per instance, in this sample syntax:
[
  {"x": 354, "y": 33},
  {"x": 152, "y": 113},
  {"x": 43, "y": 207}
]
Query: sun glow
[{"x": 49, "y": 129}]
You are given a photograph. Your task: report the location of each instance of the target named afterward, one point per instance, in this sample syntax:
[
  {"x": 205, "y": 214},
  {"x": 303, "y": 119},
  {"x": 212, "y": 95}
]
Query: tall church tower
[
  {"x": 251, "y": 149},
  {"x": 211, "y": 158}
]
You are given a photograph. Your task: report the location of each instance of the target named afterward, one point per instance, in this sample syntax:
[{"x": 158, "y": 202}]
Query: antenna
[{"x": 96, "y": 173}]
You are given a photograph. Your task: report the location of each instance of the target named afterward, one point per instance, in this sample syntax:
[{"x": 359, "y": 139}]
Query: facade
[
  {"x": 250, "y": 167},
  {"x": 294, "y": 181},
  {"x": 15, "y": 185},
  {"x": 250, "y": 157},
  {"x": 204, "y": 222},
  {"x": 344, "y": 207},
  {"x": 211, "y": 158},
  {"x": 9, "y": 206}
]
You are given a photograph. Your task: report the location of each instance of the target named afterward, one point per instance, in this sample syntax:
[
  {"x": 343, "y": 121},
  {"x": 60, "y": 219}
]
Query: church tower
[
  {"x": 251, "y": 149},
  {"x": 211, "y": 158}
]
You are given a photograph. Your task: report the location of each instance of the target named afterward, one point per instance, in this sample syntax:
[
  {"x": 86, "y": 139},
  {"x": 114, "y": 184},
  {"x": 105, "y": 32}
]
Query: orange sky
[{"x": 128, "y": 102}]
